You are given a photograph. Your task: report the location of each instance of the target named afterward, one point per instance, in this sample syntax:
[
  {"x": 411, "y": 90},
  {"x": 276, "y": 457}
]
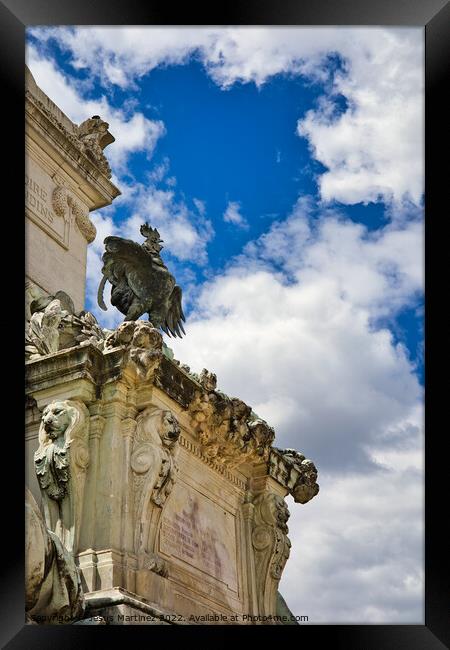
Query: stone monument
[{"x": 168, "y": 495}]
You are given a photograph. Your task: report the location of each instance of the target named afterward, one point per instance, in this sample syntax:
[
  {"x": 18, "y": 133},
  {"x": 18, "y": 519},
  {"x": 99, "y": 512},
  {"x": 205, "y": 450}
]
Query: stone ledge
[{"x": 112, "y": 603}]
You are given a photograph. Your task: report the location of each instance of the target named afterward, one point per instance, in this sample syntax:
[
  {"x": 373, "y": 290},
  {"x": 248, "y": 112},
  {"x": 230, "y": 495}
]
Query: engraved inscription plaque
[
  {"x": 38, "y": 203},
  {"x": 200, "y": 533}
]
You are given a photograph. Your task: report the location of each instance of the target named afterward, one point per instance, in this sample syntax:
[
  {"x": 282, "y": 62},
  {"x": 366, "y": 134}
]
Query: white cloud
[
  {"x": 105, "y": 227},
  {"x": 375, "y": 148},
  {"x": 373, "y": 151},
  {"x": 185, "y": 232},
  {"x": 233, "y": 215},
  {"x": 289, "y": 328},
  {"x": 380, "y": 270},
  {"x": 357, "y": 552}
]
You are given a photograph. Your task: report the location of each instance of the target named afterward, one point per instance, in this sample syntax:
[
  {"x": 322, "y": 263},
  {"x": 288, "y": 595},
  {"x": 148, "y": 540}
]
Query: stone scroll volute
[
  {"x": 153, "y": 468},
  {"x": 271, "y": 548},
  {"x": 61, "y": 461}
]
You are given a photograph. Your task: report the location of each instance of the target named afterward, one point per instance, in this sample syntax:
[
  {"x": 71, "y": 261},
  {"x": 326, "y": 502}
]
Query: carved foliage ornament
[
  {"x": 53, "y": 326},
  {"x": 228, "y": 430},
  {"x": 62, "y": 200}
]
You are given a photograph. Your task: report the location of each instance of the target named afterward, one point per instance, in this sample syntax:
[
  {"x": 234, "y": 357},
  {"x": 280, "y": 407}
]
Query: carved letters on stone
[
  {"x": 271, "y": 547},
  {"x": 153, "y": 466},
  {"x": 60, "y": 462}
]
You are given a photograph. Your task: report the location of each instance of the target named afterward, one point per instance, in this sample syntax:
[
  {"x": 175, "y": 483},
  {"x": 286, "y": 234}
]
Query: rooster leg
[{"x": 135, "y": 310}]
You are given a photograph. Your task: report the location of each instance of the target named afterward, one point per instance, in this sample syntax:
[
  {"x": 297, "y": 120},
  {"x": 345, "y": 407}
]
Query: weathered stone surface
[
  {"x": 119, "y": 607},
  {"x": 297, "y": 473},
  {"x": 198, "y": 532},
  {"x": 53, "y": 592},
  {"x": 272, "y": 547},
  {"x": 227, "y": 428},
  {"x": 94, "y": 136},
  {"x": 154, "y": 468}
]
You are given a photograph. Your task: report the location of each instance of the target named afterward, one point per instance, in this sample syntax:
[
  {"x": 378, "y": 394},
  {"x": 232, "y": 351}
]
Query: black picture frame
[{"x": 15, "y": 16}]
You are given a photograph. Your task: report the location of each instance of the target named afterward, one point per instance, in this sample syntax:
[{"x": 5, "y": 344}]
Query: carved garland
[{"x": 61, "y": 199}]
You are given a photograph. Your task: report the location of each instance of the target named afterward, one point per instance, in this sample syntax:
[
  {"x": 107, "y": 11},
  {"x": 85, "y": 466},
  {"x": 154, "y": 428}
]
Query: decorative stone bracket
[
  {"x": 153, "y": 467},
  {"x": 271, "y": 547}
]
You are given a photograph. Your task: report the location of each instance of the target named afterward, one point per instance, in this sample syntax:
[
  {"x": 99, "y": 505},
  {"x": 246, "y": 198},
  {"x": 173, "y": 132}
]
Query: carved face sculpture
[
  {"x": 262, "y": 433},
  {"x": 56, "y": 419},
  {"x": 170, "y": 429},
  {"x": 306, "y": 488},
  {"x": 208, "y": 380},
  {"x": 282, "y": 513},
  {"x": 240, "y": 409},
  {"x": 146, "y": 336}
]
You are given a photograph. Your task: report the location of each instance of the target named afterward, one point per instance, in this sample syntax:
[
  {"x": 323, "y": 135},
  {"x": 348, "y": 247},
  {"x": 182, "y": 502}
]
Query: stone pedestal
[{"x": 183, "y": 494}]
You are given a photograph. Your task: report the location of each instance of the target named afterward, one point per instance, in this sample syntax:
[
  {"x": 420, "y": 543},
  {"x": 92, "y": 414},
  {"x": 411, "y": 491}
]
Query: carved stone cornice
[
  {"x": 217, "y": 467},
  {"x": 228, "y": 430},
  {"x": 71, "y": 141},
  {"x": 81, "y": 362},
  {"x": 54, "y": 127}
]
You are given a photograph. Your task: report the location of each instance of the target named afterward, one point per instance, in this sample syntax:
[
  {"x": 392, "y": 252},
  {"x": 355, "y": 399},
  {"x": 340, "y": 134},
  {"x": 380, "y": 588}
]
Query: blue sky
[{"x": 284, "y": 170}]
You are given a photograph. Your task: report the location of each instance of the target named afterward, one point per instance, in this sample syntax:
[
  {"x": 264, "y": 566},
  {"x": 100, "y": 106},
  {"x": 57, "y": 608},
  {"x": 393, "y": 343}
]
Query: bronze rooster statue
[{"x": 141, "y": 282}]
